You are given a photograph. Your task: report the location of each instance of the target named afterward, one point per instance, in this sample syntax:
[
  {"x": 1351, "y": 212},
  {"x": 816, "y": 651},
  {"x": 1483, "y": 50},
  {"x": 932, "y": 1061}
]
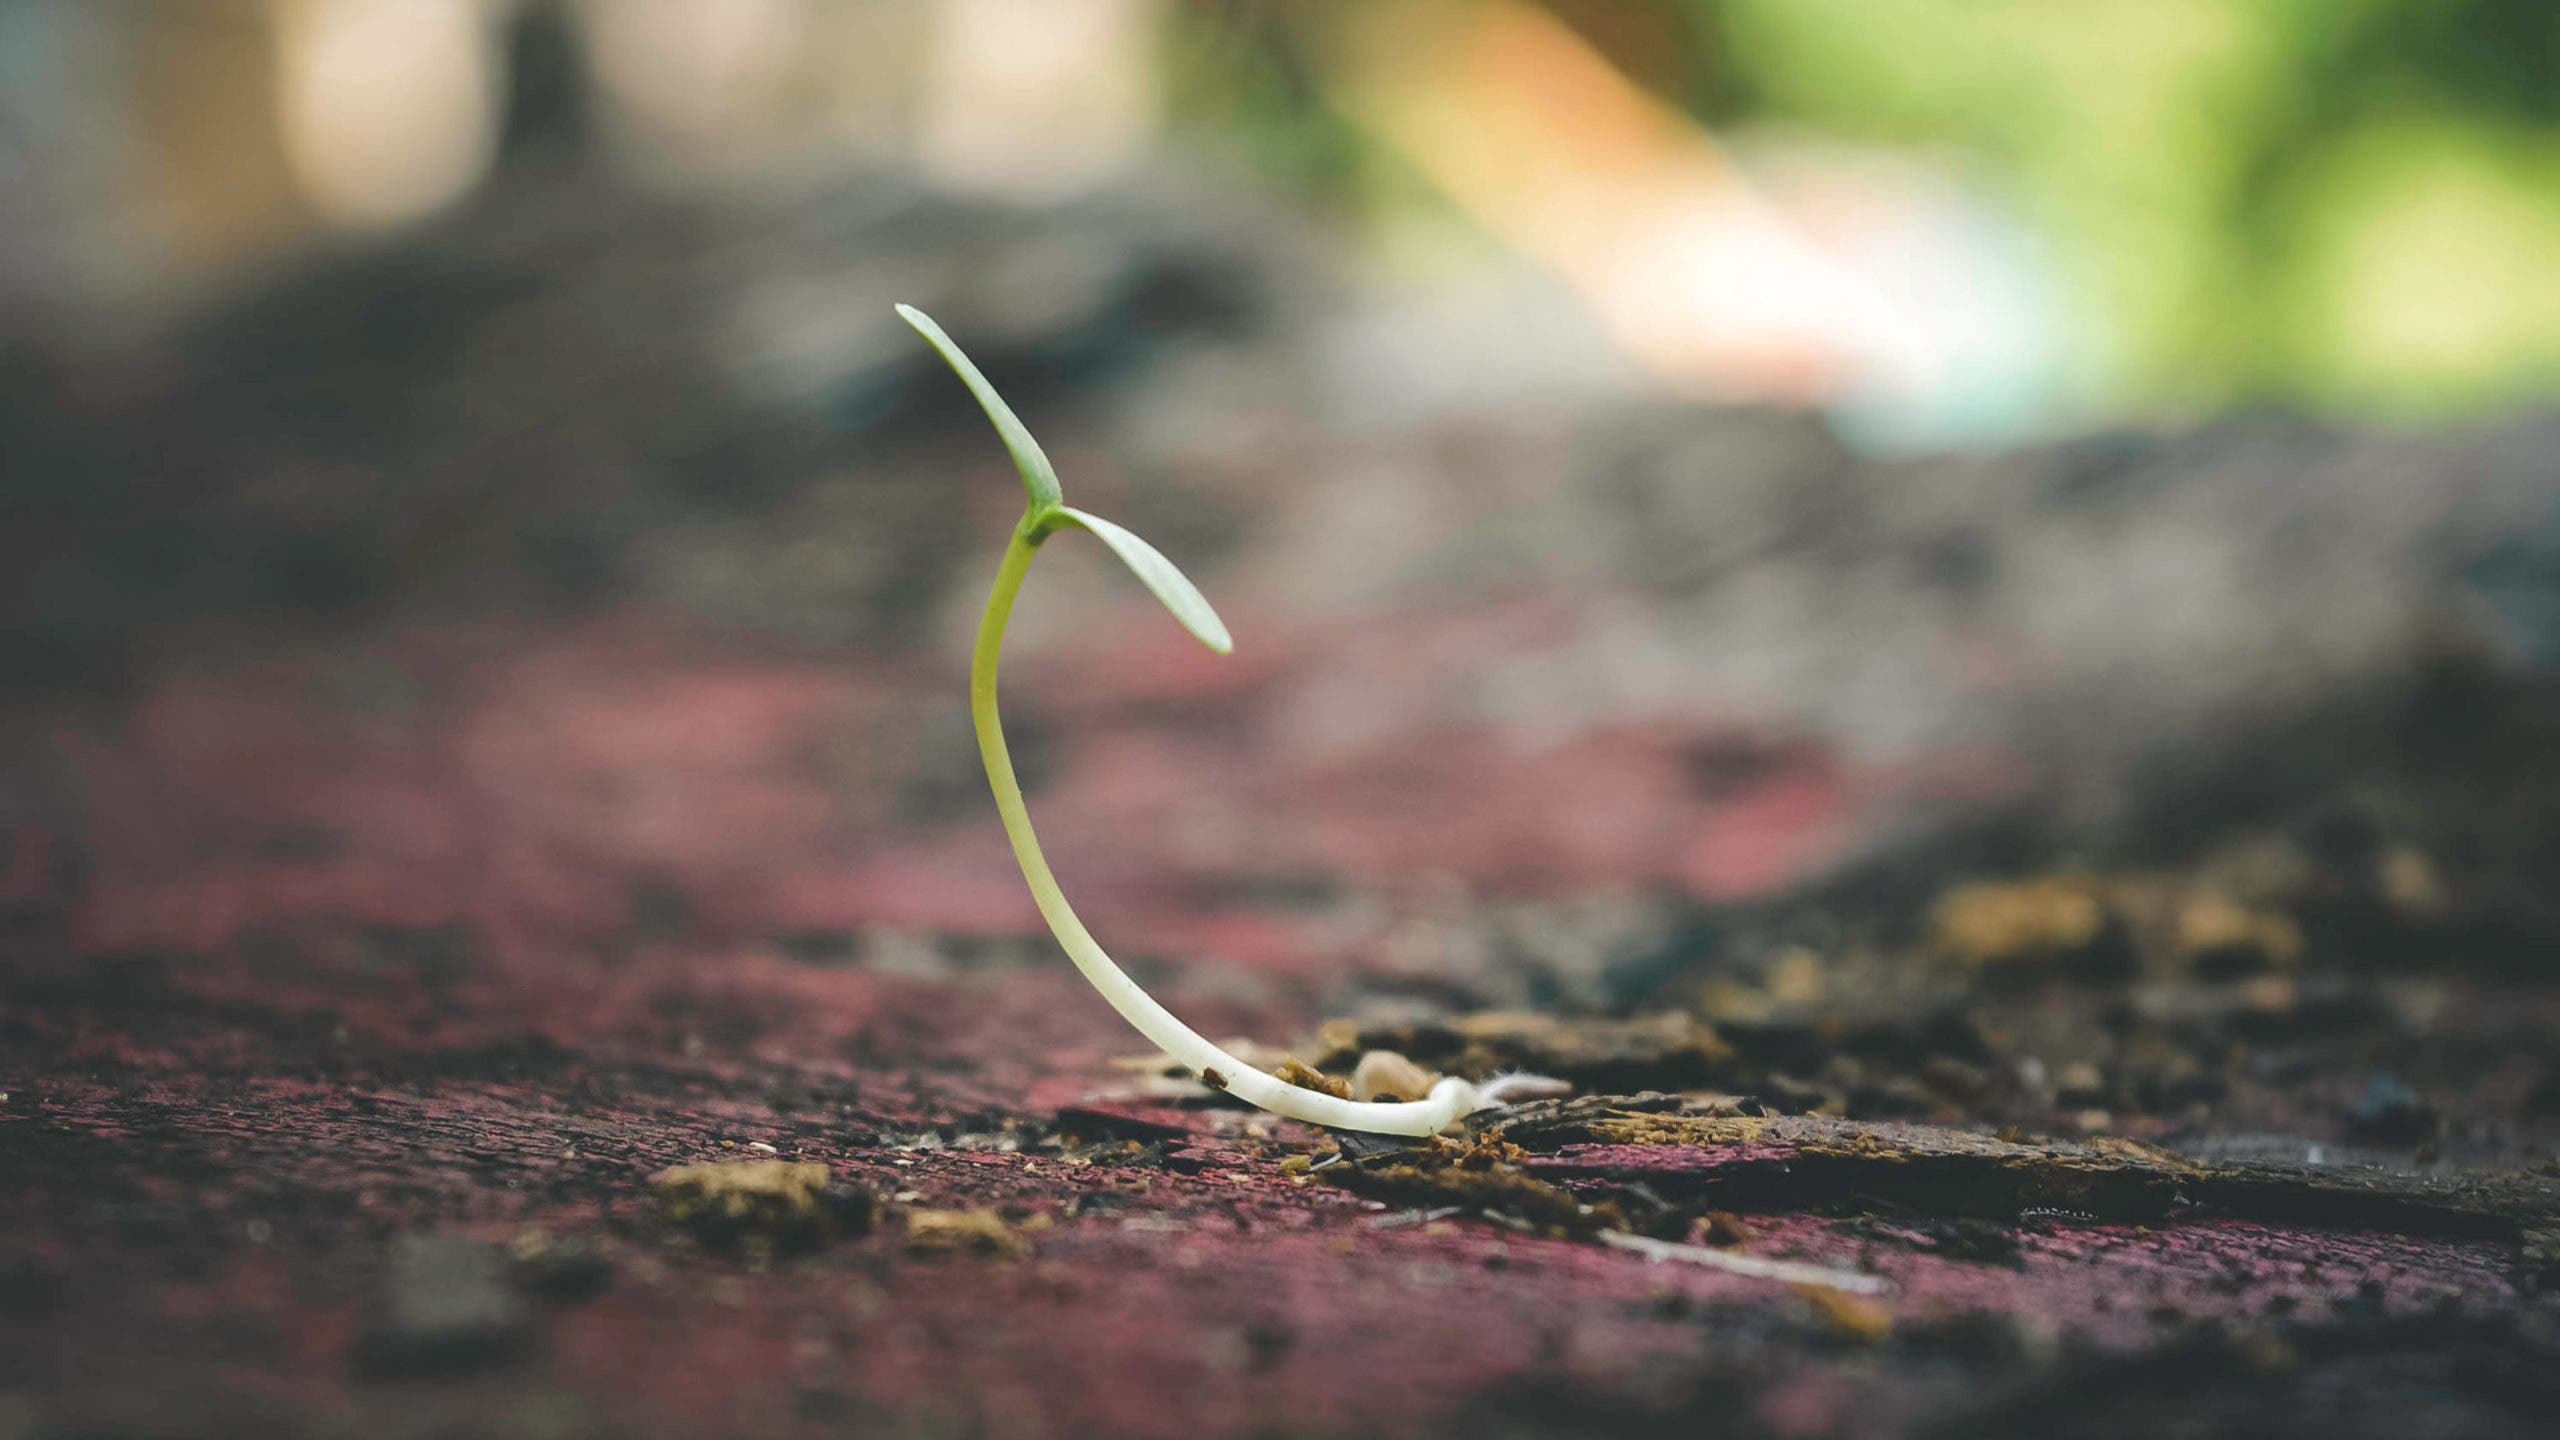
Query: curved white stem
[{"x": 1448, "y": 1100}]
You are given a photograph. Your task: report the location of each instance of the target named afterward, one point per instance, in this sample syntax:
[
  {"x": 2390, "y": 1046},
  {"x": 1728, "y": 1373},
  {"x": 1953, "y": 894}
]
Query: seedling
[{"x": 1045, "y": 515}]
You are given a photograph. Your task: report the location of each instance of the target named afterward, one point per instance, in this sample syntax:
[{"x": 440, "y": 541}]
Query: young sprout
[{"x": 1045, "y": 515}]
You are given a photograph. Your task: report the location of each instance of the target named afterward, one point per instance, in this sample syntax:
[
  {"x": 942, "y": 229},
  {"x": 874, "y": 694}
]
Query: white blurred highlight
[
  {"x": 1038, "y": 98},
  {"x": 388, "y": 108}
]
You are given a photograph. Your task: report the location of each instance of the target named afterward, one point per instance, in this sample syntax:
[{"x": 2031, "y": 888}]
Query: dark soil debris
[
  {"x": 445, "y": 1306},
  {"x": 1481, "y": 1178}
]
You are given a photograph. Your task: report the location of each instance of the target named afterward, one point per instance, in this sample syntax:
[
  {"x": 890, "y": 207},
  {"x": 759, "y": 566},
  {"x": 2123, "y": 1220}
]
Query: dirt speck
[
  {"x": 1387, "y": 1075},
  {"x": 1306, "y": 1077},
  {"x": 559, "y": 1267}
]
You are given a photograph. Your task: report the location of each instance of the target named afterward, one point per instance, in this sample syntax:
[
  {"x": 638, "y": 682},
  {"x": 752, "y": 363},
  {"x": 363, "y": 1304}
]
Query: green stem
[{"x": 1448, "y": 1100}]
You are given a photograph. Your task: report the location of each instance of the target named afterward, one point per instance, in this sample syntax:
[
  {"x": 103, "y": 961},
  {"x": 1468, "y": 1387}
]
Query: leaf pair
[{"x": 1048, "y": 510}]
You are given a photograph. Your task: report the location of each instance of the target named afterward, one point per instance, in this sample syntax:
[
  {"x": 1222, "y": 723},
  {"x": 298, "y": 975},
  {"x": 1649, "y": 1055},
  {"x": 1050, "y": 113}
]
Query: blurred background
[
  {"x": 1954, "y": 221},
  {"x": 1993, "y": 563},
  {"x": 467, "y": 493}
]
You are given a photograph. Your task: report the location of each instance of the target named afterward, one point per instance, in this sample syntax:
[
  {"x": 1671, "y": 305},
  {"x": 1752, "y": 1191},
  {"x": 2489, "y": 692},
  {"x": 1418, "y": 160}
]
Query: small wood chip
[{"x": 1786, "y": 1271}]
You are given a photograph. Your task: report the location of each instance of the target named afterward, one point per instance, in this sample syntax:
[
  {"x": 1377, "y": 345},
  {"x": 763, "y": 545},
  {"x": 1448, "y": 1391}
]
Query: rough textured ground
[
  {"x": 341, "y": 1051},
  {"x": 2099, "y": 893}
]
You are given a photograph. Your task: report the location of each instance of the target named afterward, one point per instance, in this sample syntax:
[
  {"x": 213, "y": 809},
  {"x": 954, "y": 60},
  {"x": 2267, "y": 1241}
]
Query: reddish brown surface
[
  {"x": 432, "y": 872},
  {"x": 467, "y": 935}
]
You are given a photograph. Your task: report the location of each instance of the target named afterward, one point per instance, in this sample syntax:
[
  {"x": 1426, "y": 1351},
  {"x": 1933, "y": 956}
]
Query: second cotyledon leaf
[
  {"x": 1039, "y": 477},
  {"x": 1158, "y": 574},
  {"x": 1048, "y": 512}
]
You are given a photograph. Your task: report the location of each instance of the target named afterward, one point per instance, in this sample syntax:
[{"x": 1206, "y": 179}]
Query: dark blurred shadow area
[{"x": 462, "y": 469}]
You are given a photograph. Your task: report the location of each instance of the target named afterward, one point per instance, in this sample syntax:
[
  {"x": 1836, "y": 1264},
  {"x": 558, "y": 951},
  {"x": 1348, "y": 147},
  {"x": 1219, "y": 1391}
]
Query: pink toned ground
[{"x": 469, "y": 934}]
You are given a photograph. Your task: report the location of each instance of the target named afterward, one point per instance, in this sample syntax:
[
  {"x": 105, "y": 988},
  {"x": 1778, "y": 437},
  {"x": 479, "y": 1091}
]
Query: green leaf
[
  {"x": 1155, "y": 572},
  {"x": 1038, "y": 477}
]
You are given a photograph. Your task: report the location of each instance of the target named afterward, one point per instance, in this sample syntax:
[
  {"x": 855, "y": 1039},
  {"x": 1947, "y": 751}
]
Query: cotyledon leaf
[
  {"x": 1038, "y": 476},
  {"x": 1040, "y": 479},
  {"x": 1157, "y": 573}
]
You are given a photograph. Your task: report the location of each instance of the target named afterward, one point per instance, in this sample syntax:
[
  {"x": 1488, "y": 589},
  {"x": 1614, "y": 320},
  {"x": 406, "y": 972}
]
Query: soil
[{"x": 535, "y": 974}]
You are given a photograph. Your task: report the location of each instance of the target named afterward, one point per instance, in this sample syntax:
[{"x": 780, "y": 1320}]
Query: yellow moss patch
[
  {"x": 1632, "y": 1128},
  {"x": 971, "y": 1232},
  {"x": 2211, "y": 924},
  {"x": 2029, "y": 919},
  {"x": 765, "y": 1205},
  {"x": 1851, "y": 1317}
]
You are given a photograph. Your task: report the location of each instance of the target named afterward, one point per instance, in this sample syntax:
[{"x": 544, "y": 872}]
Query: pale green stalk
[
  {"x": 1448, "y": 1100},
  {"x": 1045, "y": 515}
]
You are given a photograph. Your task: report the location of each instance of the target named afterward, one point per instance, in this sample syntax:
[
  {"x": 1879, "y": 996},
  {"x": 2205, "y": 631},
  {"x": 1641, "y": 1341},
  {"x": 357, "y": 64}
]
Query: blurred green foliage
[
  {"x": 2356, "y": 200},
  {"x": 2350, "y": 202}
]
